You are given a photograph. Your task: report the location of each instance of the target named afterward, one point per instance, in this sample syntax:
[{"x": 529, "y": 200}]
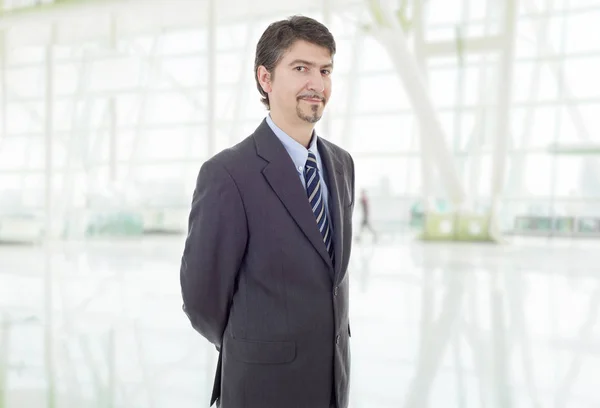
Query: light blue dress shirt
[{"x": 299, "y": 155}]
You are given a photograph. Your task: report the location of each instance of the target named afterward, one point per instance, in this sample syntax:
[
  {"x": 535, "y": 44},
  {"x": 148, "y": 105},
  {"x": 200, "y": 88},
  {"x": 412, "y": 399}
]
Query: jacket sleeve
[
  {"x": 213, "y": 252},
  {"x": 353, "y": 179}
]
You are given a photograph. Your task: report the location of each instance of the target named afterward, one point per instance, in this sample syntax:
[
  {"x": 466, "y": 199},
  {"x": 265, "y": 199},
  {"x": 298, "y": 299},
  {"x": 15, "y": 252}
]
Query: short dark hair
[{"x": 280, "y": 36}]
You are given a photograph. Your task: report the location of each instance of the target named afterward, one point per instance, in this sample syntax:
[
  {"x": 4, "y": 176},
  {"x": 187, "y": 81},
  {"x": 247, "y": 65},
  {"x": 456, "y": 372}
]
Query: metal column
[
  {"x": 4, "y": 360},
  {"x": 212, "y": 78},
  {"x": 211, "y": 101},
  {"x": 504, "y": 117},
  {"x": 112, "y": 111},
  {"x": 391, "y": 35},
  {"x": 48, "y": 127},
  {"x": 352, "y": 84},
  {"x": 3, "y": 85},
  {"x": 326, "y": 120},
  {"x": 427, "y": 175},
  {"x": 49, "y": 227}
]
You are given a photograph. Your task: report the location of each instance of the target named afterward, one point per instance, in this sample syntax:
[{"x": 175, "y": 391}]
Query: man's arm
[
  {"x": 214, "y": 248},
  {"x": 353, "y": 177}
]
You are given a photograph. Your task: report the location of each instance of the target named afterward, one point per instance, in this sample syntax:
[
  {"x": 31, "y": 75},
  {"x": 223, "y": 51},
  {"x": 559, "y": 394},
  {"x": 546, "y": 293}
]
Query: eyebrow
[{"x": 310, "y": 64}]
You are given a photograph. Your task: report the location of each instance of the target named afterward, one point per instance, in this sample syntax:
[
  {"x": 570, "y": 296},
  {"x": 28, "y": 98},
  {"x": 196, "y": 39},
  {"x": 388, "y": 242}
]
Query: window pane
[
  {"x": 581, "y": 76},
  {"x": 534, "y": 126},
  {"x": 384, "y": 133},
  {"x": 583, "y": 32},
  {"x": 25, "y": 117},
  {"x": 534, "y": 81},
  {"x": 374, "y": 56},
  {"x": 379, "y": 93},
  {"x": 537, "y": 175}
]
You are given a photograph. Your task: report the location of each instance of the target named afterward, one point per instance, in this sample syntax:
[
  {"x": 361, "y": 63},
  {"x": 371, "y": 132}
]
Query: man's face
[{"x": 301, "y": 85}]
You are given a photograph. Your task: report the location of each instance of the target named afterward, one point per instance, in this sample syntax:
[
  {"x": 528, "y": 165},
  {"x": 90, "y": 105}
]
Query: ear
[{"x": 264, "y": 78}]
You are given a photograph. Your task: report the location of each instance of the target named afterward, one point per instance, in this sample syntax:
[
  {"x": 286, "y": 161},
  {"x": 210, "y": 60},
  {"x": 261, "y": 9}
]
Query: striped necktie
[{"x": 315, "y": 197}]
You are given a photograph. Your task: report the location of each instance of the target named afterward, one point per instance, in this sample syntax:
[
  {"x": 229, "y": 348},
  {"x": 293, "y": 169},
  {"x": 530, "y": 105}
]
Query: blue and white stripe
[{"x": 315, "y": 197}]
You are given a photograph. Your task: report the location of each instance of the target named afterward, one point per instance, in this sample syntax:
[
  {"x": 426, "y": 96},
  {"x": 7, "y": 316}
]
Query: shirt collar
[{"x": 297, "y": 152}]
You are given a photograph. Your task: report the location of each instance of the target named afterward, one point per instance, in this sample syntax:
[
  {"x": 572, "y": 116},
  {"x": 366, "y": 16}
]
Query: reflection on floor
[{"x": 433, "y": 325}]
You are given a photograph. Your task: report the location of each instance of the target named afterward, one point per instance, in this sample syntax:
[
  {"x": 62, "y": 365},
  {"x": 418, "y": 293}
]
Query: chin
[
  {"x": 311, "y": 119},
  {"x": 309, "y": 115}
]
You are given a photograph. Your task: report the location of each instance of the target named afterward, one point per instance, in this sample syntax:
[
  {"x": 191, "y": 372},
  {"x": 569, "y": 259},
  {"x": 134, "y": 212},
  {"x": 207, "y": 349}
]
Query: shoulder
[
  {"x": 342, "y": 155},
  {"x": 234, "y": 158}
]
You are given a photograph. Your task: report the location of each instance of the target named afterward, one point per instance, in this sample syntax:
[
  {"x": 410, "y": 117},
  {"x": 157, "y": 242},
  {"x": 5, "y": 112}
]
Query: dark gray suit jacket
[{"x": 258, "y": 283}]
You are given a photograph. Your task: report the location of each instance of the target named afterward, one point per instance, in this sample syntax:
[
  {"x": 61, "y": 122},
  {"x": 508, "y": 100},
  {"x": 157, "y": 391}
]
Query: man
[{"x": 264, "y": 269}]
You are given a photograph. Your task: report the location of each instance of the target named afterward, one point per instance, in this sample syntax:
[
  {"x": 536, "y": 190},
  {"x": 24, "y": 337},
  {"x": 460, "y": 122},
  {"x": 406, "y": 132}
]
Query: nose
[{"x": 316, "y": 83}]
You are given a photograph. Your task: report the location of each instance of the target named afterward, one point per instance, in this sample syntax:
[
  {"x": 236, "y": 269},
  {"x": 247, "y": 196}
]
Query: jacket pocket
[{"x": 262, "y": 352}]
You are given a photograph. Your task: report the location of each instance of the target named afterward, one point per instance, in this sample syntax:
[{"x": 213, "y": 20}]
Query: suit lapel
[
  {"x": 334, "y": 179},
  {"x": 281, "y": 175}
]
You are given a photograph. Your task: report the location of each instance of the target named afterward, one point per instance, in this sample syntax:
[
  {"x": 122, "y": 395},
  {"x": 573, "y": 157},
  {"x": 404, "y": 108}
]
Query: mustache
[{"x": 312, "y": 96}]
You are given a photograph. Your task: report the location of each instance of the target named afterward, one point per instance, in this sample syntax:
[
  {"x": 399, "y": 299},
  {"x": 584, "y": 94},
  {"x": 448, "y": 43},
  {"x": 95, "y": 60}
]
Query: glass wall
[{"x": 110, "y": 112}]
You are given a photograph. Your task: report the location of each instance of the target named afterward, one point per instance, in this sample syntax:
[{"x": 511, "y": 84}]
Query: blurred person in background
[
  {"x": 365, "y": 222},
  {"x": 264, "y": 267}
]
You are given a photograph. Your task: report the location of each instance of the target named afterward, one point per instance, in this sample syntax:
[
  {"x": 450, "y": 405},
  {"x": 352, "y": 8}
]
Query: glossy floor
[{"x": 433, "y": 325}]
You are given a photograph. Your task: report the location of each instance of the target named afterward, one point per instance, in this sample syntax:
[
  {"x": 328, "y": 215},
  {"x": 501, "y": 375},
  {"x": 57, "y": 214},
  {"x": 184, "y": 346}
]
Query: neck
[{"x": 298, "y": 129}]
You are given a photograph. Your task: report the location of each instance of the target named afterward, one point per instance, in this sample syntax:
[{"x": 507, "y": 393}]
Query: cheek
[
  {"x": 295, "y": 91},
  {"x": 285, "y": 96},
  {"x": 328, "y": 88}
]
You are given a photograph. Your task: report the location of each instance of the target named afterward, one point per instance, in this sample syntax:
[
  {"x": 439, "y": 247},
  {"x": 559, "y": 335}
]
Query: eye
[
  {"x": 300, "y": 68},
  {"x": 326, "y": 72}
]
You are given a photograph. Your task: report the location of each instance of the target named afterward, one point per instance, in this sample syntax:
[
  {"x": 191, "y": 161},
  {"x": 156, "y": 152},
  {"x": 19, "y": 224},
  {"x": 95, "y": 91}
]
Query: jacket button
[
  {"x": 335, "y": 291},
  {"x": 337, "y": 339}
]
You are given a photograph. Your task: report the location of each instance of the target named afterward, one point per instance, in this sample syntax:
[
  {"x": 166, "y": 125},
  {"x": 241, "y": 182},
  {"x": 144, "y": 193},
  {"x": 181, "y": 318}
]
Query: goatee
[{"x": 313, "y": 117}]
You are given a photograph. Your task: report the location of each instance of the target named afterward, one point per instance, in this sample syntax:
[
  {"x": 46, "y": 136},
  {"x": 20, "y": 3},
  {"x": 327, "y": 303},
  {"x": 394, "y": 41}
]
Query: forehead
[{"x": 309, "y": 52}]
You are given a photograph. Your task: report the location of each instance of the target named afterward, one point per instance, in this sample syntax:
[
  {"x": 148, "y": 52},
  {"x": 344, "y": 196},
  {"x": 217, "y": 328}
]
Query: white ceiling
[{"x": 76, "y": 21}]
